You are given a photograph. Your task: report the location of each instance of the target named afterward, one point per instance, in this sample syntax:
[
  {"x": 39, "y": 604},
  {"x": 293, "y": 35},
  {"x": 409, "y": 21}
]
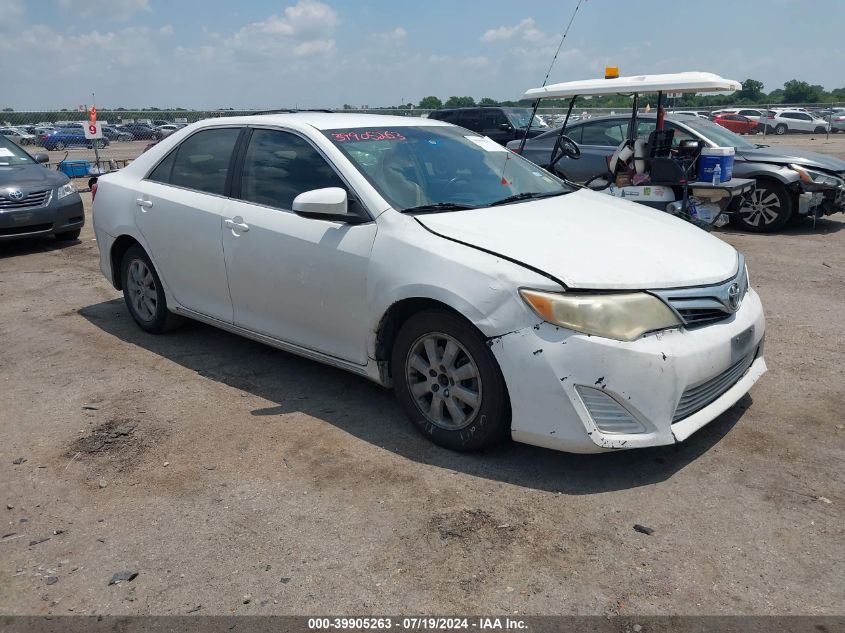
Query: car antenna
[{"x": 546, "y": 80}]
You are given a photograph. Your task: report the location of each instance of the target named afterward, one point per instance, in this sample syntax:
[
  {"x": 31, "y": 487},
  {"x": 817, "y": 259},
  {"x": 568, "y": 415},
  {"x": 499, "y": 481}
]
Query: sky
[{"x": 206, "y": 54}]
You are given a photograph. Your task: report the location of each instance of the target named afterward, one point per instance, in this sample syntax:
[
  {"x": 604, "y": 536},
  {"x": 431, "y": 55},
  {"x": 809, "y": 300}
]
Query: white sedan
[{"x": 494, "y": 298}]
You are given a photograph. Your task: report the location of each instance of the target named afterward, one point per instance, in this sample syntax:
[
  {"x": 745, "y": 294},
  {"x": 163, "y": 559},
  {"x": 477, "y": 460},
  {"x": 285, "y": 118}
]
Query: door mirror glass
[
  {"x": 329, "y": 203},
  {"x": 42, "y": 158}
]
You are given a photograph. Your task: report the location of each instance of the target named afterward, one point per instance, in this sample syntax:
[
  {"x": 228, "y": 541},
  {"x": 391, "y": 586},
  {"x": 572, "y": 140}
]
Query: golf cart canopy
[{"x": 672, "y": 82}]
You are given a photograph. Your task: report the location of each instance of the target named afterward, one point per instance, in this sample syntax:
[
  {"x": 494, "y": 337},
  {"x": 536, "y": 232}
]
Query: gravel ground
[{"x": 234, "y": 478}]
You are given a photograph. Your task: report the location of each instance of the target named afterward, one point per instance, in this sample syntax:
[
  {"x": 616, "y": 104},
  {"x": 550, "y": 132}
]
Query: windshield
[
  {"x": 719, "y": 135},
  {"x": 11, "y": 154},
  {"x": 520, "y": 116},
  {"x": 441, "y": 165}
]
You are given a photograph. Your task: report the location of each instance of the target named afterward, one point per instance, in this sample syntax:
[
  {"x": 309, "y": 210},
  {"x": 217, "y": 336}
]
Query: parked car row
[{"x": 66, "y": 134}]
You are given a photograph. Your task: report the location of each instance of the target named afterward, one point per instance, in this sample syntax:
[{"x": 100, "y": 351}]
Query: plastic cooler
[
  {"x": 712, "y": 156},
  {"x": 75, "y": 168}
]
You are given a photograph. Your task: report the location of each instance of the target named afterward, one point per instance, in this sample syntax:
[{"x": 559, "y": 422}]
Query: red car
[{"x": 736, "y": 123}]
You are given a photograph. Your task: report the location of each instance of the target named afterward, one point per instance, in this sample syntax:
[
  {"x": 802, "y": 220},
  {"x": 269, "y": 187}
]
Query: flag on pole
[{"x": 92, "y": 114}]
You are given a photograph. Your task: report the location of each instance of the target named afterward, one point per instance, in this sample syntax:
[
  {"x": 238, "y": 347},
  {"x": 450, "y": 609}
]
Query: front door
[{"x": 300, "y": 280}]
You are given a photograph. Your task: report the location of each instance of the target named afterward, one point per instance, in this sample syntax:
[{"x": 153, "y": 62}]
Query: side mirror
[
  {"x": 505, "y": 127},
  {"x": 330, "y": 203},
  {"x": 42, "y": 158}
]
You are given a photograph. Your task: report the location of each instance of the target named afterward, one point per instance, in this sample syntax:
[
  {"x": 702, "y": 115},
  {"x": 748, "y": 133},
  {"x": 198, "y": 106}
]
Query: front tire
[
  {"x": 765, "y": 210},
  {"x": 448, "y": 382},
  {"x": 59, "y": 146},
  {"x": 144, "y": 294}
]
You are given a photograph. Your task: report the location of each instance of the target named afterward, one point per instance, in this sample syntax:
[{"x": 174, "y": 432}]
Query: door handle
[
  {"x": 144, "y": 203},
  {"x": 236, "y": 226}
]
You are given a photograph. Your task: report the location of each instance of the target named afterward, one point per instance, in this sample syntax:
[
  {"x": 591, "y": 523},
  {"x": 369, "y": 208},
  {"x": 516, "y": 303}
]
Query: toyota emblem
[
  {"x": 733, "y": 296},
  {"x": 16, "y": 194}
]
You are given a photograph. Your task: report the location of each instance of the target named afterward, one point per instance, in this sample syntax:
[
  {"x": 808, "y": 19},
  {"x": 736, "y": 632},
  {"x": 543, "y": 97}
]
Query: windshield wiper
[
  {"x": 761, "y": 145},
  {"x": 527, "y": 195},
  {"x": 438, "y": 206}
]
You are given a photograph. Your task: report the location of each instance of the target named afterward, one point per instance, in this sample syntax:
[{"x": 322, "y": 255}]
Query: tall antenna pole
[{"x": 549, "y": 72}]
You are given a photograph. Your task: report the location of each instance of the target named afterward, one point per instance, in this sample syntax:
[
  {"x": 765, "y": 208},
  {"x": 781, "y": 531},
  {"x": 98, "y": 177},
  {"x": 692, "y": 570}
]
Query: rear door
[
  {"x": 179, "y": 210},
  {"x": 470, "y": 118},
  {"x": 299, "y": 280},
  {"x": 495, "y": 124},
  {"x": 597, "y": 140}
]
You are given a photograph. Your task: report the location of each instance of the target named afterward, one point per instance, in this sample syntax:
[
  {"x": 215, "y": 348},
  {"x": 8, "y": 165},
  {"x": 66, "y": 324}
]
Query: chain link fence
[{"x": 127, "y": 133}]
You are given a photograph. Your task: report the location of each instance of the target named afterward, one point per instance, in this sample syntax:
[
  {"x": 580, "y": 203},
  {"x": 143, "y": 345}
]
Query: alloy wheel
[
  {"x": 444, "y": 381},
  {"x": 142, "y": 290},
  {"x": 761, "y": 205}
]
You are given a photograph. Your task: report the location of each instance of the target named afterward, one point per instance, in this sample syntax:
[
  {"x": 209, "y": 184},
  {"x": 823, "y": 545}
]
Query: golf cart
[{"x": 684, "y": 178}]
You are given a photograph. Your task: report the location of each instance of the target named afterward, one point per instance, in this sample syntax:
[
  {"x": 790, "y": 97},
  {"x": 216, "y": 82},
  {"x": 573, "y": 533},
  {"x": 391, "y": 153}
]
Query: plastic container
[
  {"x": 75, "y": 168},
  {"x": 710, "y": 157}
]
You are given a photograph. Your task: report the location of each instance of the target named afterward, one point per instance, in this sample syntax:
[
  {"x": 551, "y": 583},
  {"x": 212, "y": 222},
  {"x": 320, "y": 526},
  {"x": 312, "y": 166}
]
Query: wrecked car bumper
[{"x": 585, "y": 394}]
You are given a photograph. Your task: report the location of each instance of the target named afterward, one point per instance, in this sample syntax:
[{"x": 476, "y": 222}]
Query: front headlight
[
  {"x": 818, "y": 177},
  {"x": 65, "y": 190},
  {"x": 622, "y": 316}
]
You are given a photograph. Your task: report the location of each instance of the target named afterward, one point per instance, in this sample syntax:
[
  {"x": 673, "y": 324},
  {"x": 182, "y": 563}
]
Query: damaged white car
[{"x": 494, "y": 298}]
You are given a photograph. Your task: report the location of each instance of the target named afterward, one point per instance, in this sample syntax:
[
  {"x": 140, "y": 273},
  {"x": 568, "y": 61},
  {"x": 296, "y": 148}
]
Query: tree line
[{"x": 794, "y": 91}]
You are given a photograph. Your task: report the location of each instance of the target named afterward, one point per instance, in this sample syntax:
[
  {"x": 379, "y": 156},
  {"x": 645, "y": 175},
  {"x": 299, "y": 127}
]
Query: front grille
[
  {"x": 705, "y": 305},
  {"x": 20, "y": 230},
  {"x": 32, "y": 199},
  {"x": 696, "y": 398}
]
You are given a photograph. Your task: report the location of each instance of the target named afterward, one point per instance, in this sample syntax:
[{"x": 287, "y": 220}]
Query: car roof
[{"x": 323, "y": 120}]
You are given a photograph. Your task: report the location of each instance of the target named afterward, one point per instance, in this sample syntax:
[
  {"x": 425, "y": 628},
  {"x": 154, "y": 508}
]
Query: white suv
[{"x": 785, "y": 121}]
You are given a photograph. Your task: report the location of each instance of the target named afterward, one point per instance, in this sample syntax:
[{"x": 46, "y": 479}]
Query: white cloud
[
  {"x": 166, "y": 30},
  {"x": 525, "y": 30},
  {"x": 394, "y": 36},
  {"x": 306, "y": 29},
  {"x": 109, "y": 9},
  {"x": 11, "y": 10}
]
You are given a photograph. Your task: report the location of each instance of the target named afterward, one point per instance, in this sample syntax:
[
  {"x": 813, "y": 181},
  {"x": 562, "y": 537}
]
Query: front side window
[
  {"x": 491, "y": 119},
  {"x": 418, "y": 166},
  {"x": 201, "y": 162},
  {"x": 278, "y": 166},
  {"x": 610, "y": 132}
]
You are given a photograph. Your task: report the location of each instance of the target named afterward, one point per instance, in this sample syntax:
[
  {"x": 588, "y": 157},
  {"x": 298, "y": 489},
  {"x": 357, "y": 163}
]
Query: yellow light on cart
[{"x": 611, "y": 72}]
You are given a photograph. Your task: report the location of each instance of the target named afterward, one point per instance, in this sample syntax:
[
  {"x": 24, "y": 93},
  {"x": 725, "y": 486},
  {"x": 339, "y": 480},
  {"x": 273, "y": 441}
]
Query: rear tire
[
  {"x": 781, "y": 129},
  {"x": 448, "y": 382},
  {"x": 59, "y": 146},
  {"x": 765, "y": 210},
  {"x": 144, "y": 294}
]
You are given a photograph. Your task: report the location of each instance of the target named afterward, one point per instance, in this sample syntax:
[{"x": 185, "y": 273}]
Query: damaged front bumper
[
  {"x": 817, "y": 199},
  {"x": 586, "y": 394}
]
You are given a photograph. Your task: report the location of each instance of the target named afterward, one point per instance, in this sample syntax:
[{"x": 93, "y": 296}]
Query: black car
[
  {"x": 113, "y": 134},
  {"x": 502, "y": 124},
  {"x": 783, "y": 175},
  {"x": 141, "y": 131},
  {"x": 36, "y": 201}
]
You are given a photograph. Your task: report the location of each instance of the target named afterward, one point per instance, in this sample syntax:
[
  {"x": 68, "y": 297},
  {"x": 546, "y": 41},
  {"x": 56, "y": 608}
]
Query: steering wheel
[{"x": 564, "y": 146}]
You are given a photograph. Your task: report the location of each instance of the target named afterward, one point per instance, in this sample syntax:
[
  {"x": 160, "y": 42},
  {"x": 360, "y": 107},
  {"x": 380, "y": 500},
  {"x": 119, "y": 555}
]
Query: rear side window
[
  {"x": 448, "y": 115},
  {"x": 279, "y": 166},
  {"x": 201, "y": 162},
  {"x": 470, "y": 119}
]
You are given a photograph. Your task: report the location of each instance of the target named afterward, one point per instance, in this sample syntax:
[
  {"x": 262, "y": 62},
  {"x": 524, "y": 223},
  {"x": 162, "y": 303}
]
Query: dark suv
[
  {"x": 141, "y": 131},
  {"x": 502, "y": 124}
]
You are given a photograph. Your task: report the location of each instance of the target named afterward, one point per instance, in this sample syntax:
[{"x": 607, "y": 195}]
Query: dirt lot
[{"x": 234, "y": 478}]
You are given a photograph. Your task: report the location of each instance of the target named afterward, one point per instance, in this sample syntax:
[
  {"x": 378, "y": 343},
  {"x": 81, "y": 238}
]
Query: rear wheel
[
  {"x": 144, "y": 294},
  {"x": 781, "y": 129},
  {"x": 766, "y": 209},
  {"x": 59, "y": 146},
  {"x": 448, "y": 382}
]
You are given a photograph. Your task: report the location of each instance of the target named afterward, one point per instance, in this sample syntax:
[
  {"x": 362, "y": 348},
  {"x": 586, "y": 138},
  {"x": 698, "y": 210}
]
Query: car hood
[
  {"x": 591, "y": 240},
  {"x": 783, "y": 154},
  {"x": 30, "y": 177}
]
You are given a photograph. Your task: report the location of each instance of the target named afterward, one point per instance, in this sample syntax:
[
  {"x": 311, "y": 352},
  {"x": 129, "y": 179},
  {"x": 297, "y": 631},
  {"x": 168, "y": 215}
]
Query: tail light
[{"x": 517, "y": 151}]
